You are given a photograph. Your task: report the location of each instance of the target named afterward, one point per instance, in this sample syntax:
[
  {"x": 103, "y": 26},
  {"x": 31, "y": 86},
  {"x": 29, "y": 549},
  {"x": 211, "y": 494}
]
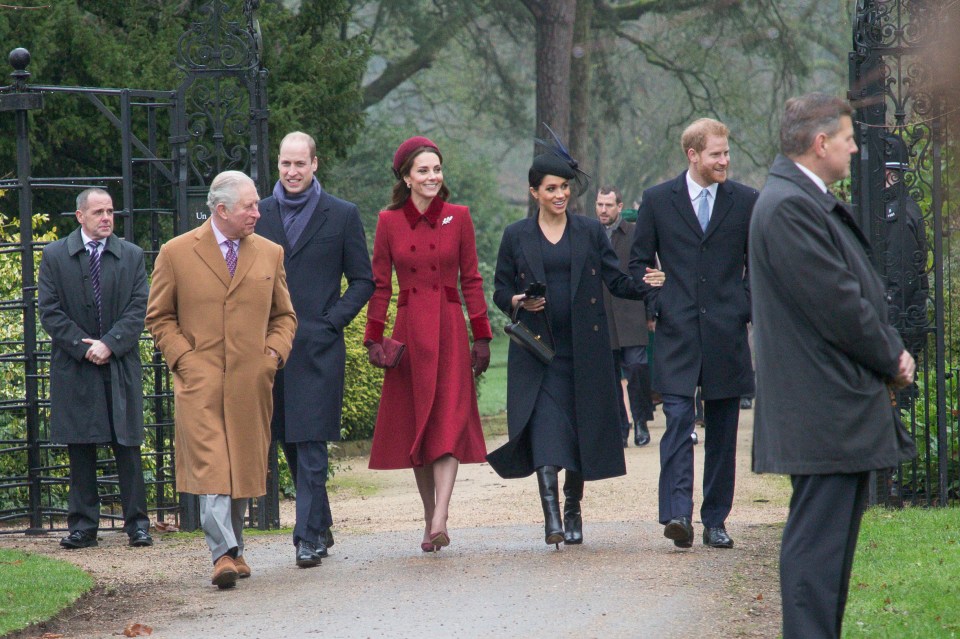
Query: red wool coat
[{"x": 428, "y": 407}]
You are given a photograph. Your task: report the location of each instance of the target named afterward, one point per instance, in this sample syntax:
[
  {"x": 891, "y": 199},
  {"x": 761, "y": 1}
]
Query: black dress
[{"x": 553, "y": 426}]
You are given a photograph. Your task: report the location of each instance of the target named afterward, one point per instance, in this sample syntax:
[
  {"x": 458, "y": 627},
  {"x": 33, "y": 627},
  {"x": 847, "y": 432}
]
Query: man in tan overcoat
[{"x": 220, "y": 313}]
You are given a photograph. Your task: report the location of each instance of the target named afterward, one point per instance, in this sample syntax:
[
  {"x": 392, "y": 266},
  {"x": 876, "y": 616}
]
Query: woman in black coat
[{"x": 562, "y": 414}]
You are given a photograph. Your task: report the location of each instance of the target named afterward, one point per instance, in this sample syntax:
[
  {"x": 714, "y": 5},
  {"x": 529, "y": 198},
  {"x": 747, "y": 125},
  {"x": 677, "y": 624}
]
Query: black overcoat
[
  {"x": 78, "y": 409},
  {"x": 593, "y": 264},
  {"x": 823, "y": 346},
  {"x": 703, "y": 307},
  {"x": 626, "y": 319},
  {"x": 308, "y": 391}
]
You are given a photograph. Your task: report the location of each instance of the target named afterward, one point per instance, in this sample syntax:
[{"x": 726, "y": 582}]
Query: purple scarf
[{"x": 295, "y": 209}]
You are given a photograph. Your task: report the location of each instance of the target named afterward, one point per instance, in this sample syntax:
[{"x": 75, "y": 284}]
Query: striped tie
[
  {"x": 95, "y": 280},
  {"x": 231, "y": 258}
]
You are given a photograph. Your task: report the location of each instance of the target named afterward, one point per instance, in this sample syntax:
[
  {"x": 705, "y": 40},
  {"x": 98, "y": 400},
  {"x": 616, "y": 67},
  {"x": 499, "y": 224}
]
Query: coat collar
[
  {"x": 684, "y": 207},
  {"x": 270, "y": 217},
  {"x": 208, "y": 250},
  {"x": 413, "y": 214},
  {"x": 785, "y": 168},
  {"x": 75, "y": 244},
  {"x": 579, "y": 248}
]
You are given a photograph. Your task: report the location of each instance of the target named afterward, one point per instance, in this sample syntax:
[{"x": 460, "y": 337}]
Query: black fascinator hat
[{"x": 557, "y": 161}]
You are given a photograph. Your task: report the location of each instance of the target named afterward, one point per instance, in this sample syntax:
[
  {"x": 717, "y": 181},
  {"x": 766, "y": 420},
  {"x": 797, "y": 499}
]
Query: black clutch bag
[{"x": 527, "y": 339}]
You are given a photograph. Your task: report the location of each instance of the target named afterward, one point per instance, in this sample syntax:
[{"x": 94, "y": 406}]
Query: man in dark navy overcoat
[
  {"x": 323, "y": 242},
  {"x": 697, "y": 224}
]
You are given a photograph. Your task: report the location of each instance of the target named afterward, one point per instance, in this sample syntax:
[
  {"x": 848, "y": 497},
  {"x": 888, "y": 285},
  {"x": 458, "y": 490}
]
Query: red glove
[
  {"x": 375, "y": 355},
  {"x": 480, "y": 356}
]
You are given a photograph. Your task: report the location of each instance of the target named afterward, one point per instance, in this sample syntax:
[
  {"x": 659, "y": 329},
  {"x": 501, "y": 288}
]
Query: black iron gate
[
  {"x": 902, "y": 189},
  {"x": 171, "y": 144}
]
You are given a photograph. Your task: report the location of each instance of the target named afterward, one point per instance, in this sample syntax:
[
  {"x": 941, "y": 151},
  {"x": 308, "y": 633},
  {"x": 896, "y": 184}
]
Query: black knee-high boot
[
  {"x": 572, "y": 520},
  {"x": 550, "y": 500}
]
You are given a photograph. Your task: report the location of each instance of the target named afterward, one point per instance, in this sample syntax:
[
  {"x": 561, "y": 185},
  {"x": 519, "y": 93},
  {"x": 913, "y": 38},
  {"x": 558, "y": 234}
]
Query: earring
[{"x": 408, "y": 185}]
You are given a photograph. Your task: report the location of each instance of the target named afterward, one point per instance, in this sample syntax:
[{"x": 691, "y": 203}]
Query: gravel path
[{"x": 497, "y": 578}]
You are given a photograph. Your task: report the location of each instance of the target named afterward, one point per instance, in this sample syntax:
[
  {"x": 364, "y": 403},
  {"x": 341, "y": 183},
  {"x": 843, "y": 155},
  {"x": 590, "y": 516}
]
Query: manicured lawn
[
  {"x": 906, "y": 576},
  {"x": 34, "y": 588},
  {"x": 493, "y": 385}
]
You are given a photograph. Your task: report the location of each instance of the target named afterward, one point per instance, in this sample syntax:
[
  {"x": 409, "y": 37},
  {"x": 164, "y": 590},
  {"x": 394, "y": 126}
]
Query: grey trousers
[{"x": 222, "y": 521}]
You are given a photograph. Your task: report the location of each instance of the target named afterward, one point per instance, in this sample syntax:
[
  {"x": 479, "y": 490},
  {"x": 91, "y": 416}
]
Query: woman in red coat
[{"x": 428, "y": 418}]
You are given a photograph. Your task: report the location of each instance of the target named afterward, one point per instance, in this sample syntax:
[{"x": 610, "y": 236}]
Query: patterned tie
[
  {"x": 95, "y": 279},
  {"x": 231, "y": 258},
  {"x": 703, "y": 210}
]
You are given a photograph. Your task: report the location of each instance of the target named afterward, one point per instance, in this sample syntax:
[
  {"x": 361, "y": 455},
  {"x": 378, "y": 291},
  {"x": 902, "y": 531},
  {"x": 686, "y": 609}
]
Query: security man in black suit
[
  {"x": 827, "y": 361},
  {"x": 323, "y": 242},
  {"x": 697, "y": 225},
  {"x": 92, "y": 296}
]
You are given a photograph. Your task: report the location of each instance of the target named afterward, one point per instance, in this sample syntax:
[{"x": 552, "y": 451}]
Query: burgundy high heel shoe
[{"x": 428, "y": 547}]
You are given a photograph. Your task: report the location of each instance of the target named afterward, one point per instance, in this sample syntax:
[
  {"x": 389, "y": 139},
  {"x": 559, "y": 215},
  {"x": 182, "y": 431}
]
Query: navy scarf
[{"x": 295, "y": 209}]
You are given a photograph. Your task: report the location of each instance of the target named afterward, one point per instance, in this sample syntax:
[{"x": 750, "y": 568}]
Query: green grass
[
  {"x": 493, "y": 384},
  {"x": 34, "y": 588},
  {"x": 906, "y": 575}
]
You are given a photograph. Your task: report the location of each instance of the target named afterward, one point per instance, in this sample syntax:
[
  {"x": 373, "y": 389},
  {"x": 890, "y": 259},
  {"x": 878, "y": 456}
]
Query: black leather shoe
[
  {"x": 680, "y": 531},
  {"x": 322, "y": 548},
  {"x": 746, "y": 403},
  {"x": 717, "y": 538},
  {"x": 695, "y": 438},
  {"x": 307, "y": 556},
  {"x": 327, "y": 538},
  {"x": 79, "y": 539},
  {"x": 140, "y": 538},
  {"x": 641, "y": 434}
]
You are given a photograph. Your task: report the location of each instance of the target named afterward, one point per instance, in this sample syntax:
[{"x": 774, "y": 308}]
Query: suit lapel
[
  {"x": 208, "y": 250},
  {"x": 245, "y": 259},
  {"x": 530, "y": 245},
  {"x": 270, "y": 219},
  {"x": 318, "y": 218},
  {"x": 683, "y": 206},
  {"x": 578, "y": 252},
  {"x": 722, "y": 207}
]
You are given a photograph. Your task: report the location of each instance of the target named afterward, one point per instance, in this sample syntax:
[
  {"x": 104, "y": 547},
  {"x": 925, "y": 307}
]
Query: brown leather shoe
[
  {"x": 243, "y": 569},
  {"x": 224, "y": 573}
]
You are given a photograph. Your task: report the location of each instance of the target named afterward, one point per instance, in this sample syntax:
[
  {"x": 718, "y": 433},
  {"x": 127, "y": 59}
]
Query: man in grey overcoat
[
  {"x": 827, "y": 362},
  {"x": 92, "y": 296},
  {"x": 323, "y": 242}
]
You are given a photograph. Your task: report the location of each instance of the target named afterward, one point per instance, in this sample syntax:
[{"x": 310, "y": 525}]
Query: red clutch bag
[{"x": 392, "y": 352}]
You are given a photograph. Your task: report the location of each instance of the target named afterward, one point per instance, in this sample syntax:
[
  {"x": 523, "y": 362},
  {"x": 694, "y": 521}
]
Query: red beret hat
[{"x": 405, "y": 149}]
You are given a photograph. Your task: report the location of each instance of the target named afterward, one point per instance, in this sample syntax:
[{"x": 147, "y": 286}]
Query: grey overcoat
[
  {"x": 823, "y": 346},
  {"x": 78, "y": 409}
]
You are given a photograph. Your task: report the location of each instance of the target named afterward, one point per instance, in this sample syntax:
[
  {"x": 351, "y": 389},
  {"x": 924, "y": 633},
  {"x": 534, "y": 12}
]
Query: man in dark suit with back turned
[
  {"x": 323, "y": 241},
  {"x": 92, "y": 296},
  {"x": 697, "y": 224},
  {"x": 627, "y": 321},
  {"x": 826, "y": 361}
]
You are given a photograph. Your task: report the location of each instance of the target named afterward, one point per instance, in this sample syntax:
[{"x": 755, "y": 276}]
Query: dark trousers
[
  {"x": 309, "y": 464},
  {"x": 719, "y": 462},
  {"x": 816, "y": 554},
  {"x": 632, "y": 361},
  {"x": 83, "y": 502}
]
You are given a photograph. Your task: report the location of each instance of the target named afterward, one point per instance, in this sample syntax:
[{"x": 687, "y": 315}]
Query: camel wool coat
[{"x": 214, "y": 332}]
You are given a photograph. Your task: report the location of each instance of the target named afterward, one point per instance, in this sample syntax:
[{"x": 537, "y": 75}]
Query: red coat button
[{"x": 413, "y": 249}]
